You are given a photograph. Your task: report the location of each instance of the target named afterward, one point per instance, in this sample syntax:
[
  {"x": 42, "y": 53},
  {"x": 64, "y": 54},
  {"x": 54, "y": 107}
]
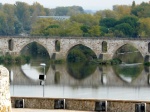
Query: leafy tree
[
  {"x": 133, "y": 4},
  {"x": 125, "y": 28},
  {"x": 41, "y": 27},
  {"x": 38, "y": 9},
  {"x": 23, "y": 14},
  {"x": 104, "y": 30},
  {"x": 3, "y": 20},
  {"x": 1, "y": 5},
  {"x": 9, "y": 24},
  {"x": 67, "y": 11},
  {"x": 8, "y": 9},
  {"x": 141, "y": 10},
  {"x": 73, "y": 29},
  {"x": 90, "y": 24},
  {"x": 118, "y": 33},
  {"x": 108, "y": 22},
  {"x": 133, "y": 22},
  {"x": 107, "y": 25},
  {"x": 144, "y": 27},
  {"x": 122, "y": 10},
  {"x": 47, "y": 11},
  {"x": 18, "y": 26},
  {"x": 94, "y": 31},
  {"x": 107, "y": 14},
  {"x": 85, "y": 19}
]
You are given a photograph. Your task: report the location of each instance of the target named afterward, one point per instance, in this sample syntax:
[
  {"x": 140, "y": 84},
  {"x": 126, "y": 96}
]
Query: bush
[{"x": 8, "y": 59}]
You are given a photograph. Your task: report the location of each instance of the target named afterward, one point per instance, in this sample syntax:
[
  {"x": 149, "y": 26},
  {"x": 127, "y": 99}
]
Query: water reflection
[
  {"x": 80, "y": 80},
  {"x": 80, "y": 70},
  {"x": 100, "y": 85},
  {"x": 128, "y": 72},
  {"x": 31, "y": 72}
]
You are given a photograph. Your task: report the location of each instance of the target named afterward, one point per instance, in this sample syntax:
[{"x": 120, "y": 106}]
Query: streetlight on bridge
[{"x": 43, "y": 76}]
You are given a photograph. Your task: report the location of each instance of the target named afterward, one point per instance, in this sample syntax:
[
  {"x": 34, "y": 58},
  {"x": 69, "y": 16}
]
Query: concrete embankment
[
  {"x": 44, "y": 110},
  {"x": 88, "y": 105}
]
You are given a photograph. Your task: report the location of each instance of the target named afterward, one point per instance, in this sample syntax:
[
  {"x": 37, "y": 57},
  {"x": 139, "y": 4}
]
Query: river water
[
  {"x": 122, "y": 82},
  {"x": 82, "y": 79}
]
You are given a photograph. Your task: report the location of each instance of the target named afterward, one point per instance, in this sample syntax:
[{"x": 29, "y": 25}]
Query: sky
[{"x": 86, "y": 4}]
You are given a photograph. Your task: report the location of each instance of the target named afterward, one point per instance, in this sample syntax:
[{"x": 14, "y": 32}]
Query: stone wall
[
  {"x": 5, "y": 102},
  {"x": 66, "y": 43},
  {"x": 80, "y": 104}
]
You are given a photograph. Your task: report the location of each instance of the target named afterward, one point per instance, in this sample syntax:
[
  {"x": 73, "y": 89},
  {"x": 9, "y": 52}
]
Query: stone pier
[{"x": 5, "y": 102}]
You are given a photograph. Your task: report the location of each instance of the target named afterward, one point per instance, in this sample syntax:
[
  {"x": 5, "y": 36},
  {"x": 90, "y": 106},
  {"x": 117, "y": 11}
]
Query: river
[
  {"x": 127, "y": 81},
  {"x": 106, "y": 82}
]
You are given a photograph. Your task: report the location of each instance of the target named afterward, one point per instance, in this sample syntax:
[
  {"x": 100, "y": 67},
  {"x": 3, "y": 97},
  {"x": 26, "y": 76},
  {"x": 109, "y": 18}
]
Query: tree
[
  {"x": 107, "y": 25},
  {"x": 9, "y": 9},
  {"x": 132, "y": 20},
  {"x": 94, "y": 31},
  {"x": 125, "y": 28},
  {"x": 1, "y": 5},
  {"x": 38, "y": 8},
  {"x": 23, "y": 14},
  {"x": 107, "y": 14},
  {"x": 134, "y": 24},
  {"x": 3, "y": 20},
  {"x": 144, "y": 27},
  {"x": 85, "y": 19},
  {"x": 133, "y": 4},
  {"x": 73, "y": 29},
  {"x": 108, "y": 22},
  {"x": 89, "y": 24},
  {"x": 122, "y": 10},
  {"x": 43, "y": 26},
  {"x": 141, "y": 10},
  {"x": 67, "y": 11}
]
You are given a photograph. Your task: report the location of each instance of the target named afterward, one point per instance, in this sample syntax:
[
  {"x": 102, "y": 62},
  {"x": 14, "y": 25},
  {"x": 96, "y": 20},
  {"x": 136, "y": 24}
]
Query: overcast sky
[{"x": 86, "y": 4}]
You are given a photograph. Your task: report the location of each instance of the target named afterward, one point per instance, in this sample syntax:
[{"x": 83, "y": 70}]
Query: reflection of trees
[
  {"x": 38, "y": 54},
  {"x": 78, "y": 62},
  {"x": 34, "y": 49},
  {"x": 80, "y": 53},
  {"x": 81, "y": 70},
  {"x": 128, "y": 71},
  {"x": 129, "y": 54}
]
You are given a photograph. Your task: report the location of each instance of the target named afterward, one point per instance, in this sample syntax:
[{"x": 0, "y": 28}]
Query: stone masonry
[
  {"x": 5, "y": 102},
  {"x": 13, "y": 45}
]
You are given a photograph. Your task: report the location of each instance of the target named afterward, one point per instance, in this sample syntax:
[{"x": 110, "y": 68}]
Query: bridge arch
[
  {"x": 78, "y": 45},
  {"x": 139, "y": 47},
  {"x": 29, "y": 42}
]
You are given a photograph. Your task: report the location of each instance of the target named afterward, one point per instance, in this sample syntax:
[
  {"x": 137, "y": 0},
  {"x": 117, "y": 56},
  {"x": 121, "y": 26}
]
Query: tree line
[
  {"x": 19, "y": 17},
  {"x": 123, "y": 21}
]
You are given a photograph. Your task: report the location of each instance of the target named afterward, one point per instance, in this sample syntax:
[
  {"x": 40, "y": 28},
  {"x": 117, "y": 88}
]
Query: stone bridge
[{"x": 13, "y": 45}]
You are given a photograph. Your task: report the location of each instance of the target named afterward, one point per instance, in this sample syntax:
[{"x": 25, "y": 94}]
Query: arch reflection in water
[
  {"x": 78, "y": 61},
  {"x": 38, "y": 55},
  {"x": 81, "y": 70},
  {"x": 90, "y": 87},
  {"x": 31, "y": 72},
  {"x": 128, "y": 72}
]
